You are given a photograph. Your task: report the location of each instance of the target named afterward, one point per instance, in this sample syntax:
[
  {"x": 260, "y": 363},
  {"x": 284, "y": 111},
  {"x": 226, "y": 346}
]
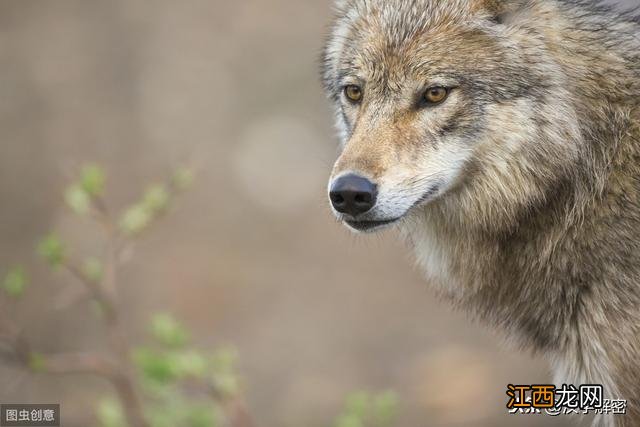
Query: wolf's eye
[
  {"x": 435, "y": 95},
  {"x": 353, "y": 93}
]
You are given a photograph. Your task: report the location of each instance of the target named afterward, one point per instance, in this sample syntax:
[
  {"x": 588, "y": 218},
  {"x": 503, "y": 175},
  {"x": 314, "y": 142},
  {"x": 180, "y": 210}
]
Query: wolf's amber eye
[
  {"x": 435, "y": 95},
  {"x": 353, "y": 93}
]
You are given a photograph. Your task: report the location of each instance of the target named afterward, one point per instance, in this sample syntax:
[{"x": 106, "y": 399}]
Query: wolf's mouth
[{"x": 370, "y": 225}]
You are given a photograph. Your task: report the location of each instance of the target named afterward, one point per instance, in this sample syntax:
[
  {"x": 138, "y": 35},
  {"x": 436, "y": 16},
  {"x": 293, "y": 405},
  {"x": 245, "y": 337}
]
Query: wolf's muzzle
[{"x": 353, "y": 195}]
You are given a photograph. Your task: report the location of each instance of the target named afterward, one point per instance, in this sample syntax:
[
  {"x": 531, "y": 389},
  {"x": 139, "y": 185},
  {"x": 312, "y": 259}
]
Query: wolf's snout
[{"x": 353, "y": 195}]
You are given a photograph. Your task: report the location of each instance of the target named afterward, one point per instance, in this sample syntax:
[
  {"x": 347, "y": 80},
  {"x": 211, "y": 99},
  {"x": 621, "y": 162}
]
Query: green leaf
[
  {"x": 349, "y": 420},
  {"x": 175, "y": 411},
  {"x": 363, "y": 409},
  {"x": 52, "y": 250},
  {"x": 154, "y": 389},
  {"x": 98, "y": 308},
  {"x": 355, "y": 410},
  {"x": 191, "y": 363},
  {"x": 201, "y": 416},
  {"x": 93, "y": 269},
  {"x": 224, "y": 359},
  {"x": 358, "y": 404},
  {"x": 183, "y": 178},
  {"x": 15, "y": 282},
  {"x": 92, "y": 180},
  {"x": 165, "y": 415},
  {"x": 224, "y": 374},
  {"x": 227, "y": 384},
  {"x": 155, "y": 366},
  {"x": 168, "y": 331},
  {"x": 37, "y": 362},
  {"x": 156, "y": 199},
  {"x": 77, "y": 199},
  {"x": 385, "y": 409},
  {"x": 135, "y": 219},
  {"x": 110, "y": 413}
]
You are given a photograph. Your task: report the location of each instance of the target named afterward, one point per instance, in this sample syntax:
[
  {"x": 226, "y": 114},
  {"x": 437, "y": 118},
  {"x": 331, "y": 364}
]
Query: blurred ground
[{"x": 252, "y": 256}]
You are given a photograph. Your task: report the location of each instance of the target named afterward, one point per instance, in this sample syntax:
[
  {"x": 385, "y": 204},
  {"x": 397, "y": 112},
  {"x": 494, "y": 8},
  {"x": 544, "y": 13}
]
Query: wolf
[{"x": 502, "y": 138}]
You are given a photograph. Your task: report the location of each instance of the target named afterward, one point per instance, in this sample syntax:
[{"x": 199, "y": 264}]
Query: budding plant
[
  {"x": 167, "y": 383},
  {"x": 363, "y": 409}
]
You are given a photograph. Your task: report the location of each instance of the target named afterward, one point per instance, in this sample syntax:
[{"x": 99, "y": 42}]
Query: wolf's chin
[{"x": 370, "y": 226}]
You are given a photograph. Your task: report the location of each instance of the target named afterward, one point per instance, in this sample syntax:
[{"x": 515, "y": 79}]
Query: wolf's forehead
[
  {"x": 400, "y": 20},
  {"x": 393, "y": 30},
  {"x": 385, "y": 50},
  {"x": 391, "y": 44}
]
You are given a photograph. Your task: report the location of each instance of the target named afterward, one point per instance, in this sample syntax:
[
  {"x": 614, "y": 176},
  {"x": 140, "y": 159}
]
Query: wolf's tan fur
[{"x": 521, "y": 192}]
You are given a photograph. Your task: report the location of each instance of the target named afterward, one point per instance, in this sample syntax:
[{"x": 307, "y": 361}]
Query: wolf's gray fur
[{"x": 520, "y": 193}]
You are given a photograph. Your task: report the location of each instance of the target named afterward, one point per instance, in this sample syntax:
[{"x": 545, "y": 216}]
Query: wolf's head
[{"x": 457, "y": 104}]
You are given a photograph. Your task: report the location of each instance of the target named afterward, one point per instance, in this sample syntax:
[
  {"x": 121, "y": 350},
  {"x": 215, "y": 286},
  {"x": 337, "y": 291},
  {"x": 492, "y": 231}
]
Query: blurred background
[{"x": 250, "y": 257}]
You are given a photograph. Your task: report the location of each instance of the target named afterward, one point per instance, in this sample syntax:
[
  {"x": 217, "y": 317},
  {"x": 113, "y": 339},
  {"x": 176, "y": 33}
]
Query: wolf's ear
[{"x": 497, "y": 10}]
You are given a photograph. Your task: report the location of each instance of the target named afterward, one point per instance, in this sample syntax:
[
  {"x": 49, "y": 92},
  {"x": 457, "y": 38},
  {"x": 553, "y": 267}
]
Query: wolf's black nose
[{"x": 353, "y": 195}]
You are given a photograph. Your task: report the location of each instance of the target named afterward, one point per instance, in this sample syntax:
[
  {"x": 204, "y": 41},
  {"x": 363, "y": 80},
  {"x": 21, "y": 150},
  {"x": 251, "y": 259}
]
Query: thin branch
[
  {"x": 101, "y": 207},
  {"x": 80, "y": 363},
  {"x": 107, "y": 293},
  {"x": 103, "y": 216},
  {"x": 235, "y": 409},
  {"x": 124, "y": 383},
  {"x": 57, "y": 363},
  {"x": 95, "y": 288},
  {"x": 238, "y": 414}
]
